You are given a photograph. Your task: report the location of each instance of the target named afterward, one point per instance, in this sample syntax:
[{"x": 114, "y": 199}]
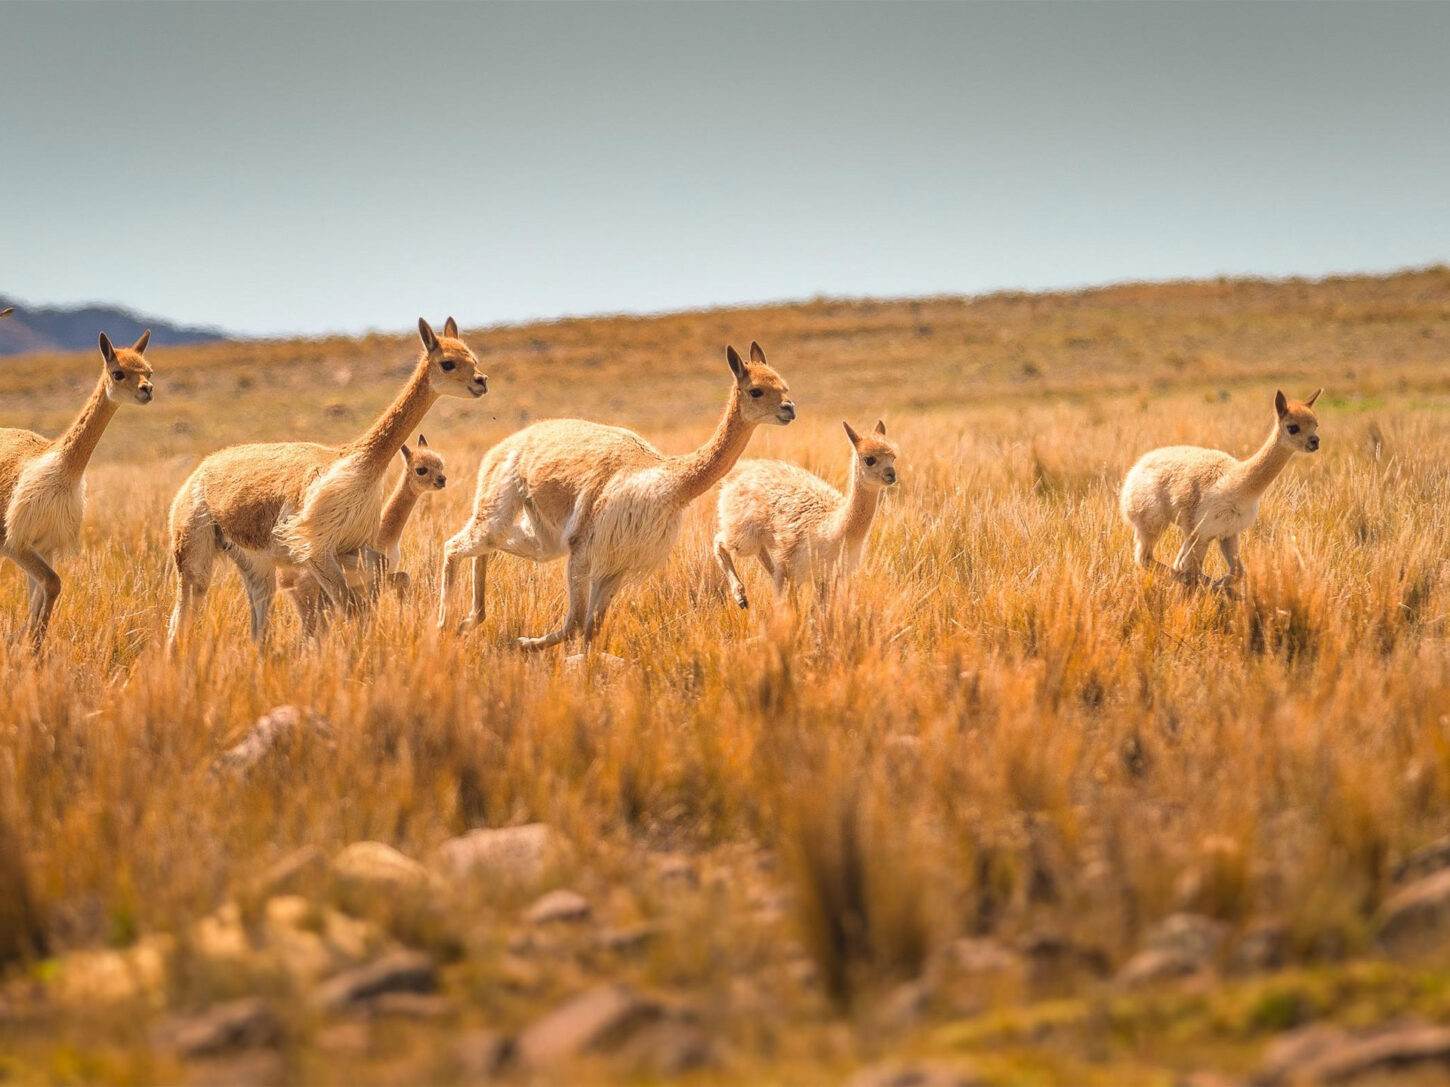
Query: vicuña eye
[
  {"x": 422, "y": 471},
  {"x": 756, "y": 394},
  {"x": 1293, "y": 428},
  {"x": 119, "y": 375},
  {"x": 448, "y": 365},
  {"x": 870, "y": 462}
]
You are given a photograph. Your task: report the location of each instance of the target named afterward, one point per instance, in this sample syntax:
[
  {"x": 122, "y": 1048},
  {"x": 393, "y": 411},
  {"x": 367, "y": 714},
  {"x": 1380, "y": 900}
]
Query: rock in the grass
[
  {"x": 559, "y": 906},
  {"x": 914, "y": 1074},
  {"x": 86, "y": 979},
  {"x": 399, "y": 971},
  {"x": 1417, "y": 915},
  {"x": 237, "y": 1024},
  {"x": 1264, "y": 945},
  {"x": 976, "y": 957},
  {"x": 1323, "y": 1054},
  {"x": 668, "y": 1049},
  {"x": 275, "y": 729},
  {"x": 406, "y": 1005},
  {"x": 628, "y": 939},
  {"x": 506, "y": 854},
  {"x": 597, "y": 1020},
  {"x": 481, "y": 1053},
  {"x": 302, "y": 871},
  {"x": 1191, "y": 935},
  {"x": 367, "y": 871},
  {"x": 1425, "y": 861},
  {"x": 1155, "y": 965}
]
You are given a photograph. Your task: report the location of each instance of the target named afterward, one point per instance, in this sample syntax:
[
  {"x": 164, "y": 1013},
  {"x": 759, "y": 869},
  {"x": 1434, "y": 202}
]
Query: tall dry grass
[{"x": 1002, "y": 729}]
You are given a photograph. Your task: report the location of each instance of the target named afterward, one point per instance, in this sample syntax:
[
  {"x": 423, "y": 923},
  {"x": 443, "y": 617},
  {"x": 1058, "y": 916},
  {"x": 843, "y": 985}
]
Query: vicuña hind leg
[
  {"x": 1229, "y": 545},
  {"x": 1144, "y": 540},
  {"x": 471, "y": 543},
  {"x": 195, "y": 541},
  {"x": 601, "y": 593},
  {"x": 577, "y": 574},
  {"x": 1188, "y": 564},
  {"x": 727, "y": 564}
]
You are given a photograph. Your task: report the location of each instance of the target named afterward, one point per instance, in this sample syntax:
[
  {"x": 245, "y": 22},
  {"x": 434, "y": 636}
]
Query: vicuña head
[
  {"x": 452, "y": 367},
  {"x": 1298, "y": 425},
  {"x": 128, "y": 374},
  {"x": 875, "y": 456},
  {"x": 762, "y": 392},
  {"x": 425, "y": 468}
]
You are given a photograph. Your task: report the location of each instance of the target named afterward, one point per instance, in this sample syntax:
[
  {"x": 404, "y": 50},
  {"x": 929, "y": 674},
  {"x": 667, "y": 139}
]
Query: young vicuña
[
  {"x": 367, "y": 568},
  {"x": 42, "y": 482},
  {"x": 1211, "y": 495},
  {"x": 798, "y": 525},
  {"x": 601, "y": 495},
  {"x": 303, "y": 504}
]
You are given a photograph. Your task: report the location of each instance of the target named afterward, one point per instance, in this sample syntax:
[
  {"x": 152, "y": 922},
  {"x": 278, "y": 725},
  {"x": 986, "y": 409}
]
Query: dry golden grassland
[{"x": 934, "y": 819}]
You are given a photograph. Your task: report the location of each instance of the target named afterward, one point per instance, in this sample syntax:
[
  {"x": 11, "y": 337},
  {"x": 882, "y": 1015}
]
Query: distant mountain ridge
[{"x": 75, "y": 328}]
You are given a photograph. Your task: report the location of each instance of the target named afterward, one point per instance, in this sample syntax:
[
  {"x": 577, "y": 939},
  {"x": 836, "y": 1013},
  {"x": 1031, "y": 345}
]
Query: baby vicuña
[
  {"x": 372, "y": 566},
  {"x": 798, "y": 525},
  {"x": 42, "y": 482},
  {"x": 1211, "y": 495},
  {"x": 303, "y": 504},
  {"x": 601, "y": 495}
]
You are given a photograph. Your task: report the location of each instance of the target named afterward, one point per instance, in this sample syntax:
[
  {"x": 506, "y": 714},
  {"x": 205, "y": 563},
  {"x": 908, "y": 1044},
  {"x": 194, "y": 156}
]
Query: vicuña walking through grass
[
  {"x": 42, "y": 482},
  {"x": 798, "y": 525}
]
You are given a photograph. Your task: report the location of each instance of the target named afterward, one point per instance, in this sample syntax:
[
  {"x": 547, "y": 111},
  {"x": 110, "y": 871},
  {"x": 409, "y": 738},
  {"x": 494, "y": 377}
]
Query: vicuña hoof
[{"x": 742, "y": 601}]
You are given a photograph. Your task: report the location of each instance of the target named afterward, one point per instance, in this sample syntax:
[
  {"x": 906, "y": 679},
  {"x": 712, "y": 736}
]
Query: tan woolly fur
[
  {"x": 303, "y": 504},
  {"x": 1211, "y": 495},
  {"x": 602, "y": 496},
  {"x": 42, "y": 482},
  {"x": 369, "y": 568},
  {"x": 800, "y": 527}
]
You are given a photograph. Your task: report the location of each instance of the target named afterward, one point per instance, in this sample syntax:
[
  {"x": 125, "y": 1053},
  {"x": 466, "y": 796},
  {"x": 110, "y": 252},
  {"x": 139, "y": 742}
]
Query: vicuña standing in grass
[
  {"x": 42, "y": 482},
  {"x": 1211, "y": 495},
  {"x": 302, "y": 504},
  {"x": 798, "y": 525},
  {"x": 601, "y": 495},
  {"x": 368, "y": 568}
]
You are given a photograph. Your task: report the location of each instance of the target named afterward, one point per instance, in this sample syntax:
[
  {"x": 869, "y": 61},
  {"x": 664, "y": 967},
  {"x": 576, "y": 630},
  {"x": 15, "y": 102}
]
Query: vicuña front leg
[
  {"x": 42, "y": 603},
  {"x": 330, "y": 575},
  {"x": 1188, "y": 564},
  {"x": 577, "y": 574},
  {"x": 601, "y": 593},
  {"x": 1229, "y": 545}
]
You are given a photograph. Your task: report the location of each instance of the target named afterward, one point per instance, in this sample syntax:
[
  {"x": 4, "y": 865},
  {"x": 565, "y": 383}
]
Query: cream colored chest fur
[{"x": 46, "y": 510}]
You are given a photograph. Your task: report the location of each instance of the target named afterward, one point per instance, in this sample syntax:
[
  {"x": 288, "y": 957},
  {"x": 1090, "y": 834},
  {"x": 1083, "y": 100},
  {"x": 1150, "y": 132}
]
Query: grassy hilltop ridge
[{"x": 944, "y": 818}]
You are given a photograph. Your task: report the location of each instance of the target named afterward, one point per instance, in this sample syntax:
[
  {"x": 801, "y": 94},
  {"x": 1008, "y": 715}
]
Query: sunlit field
[{"x": 932, "y": 821}]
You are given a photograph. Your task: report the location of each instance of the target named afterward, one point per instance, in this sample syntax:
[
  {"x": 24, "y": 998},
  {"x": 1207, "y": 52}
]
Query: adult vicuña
[
  {"x": 1211, "y": 495},
  {"x": 368, "y": 568},
  {"x": 602, "y": 495},
  {"x": 42, "y": 482},
  {"x": 302, "y": 504},
  {"x": 797, "y": 524}
]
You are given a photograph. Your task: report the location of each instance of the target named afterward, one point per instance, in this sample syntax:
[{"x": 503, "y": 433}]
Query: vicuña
[
  {"x": 798, "y": 525},
  {"x": 1211, "y": 495},
  {"x": 303, "y": 504},
  {"x": 43, "y": 485},
  {"x": 601, "y": 495}
]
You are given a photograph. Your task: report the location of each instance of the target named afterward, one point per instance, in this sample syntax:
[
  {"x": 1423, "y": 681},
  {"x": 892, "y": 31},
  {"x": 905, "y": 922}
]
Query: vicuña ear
[
  {"x": 1281, "y": 404},
  {"x": 140, "y": 345},
  {"x": 880, "y": 427},
  {"x": 107, "y": 351},
  {"x": 736, "y": 366},
  {"x": 422, "y": 442},
  {"x": 407, "y": 453},
  {"x": 1310, "y": 401},
  {"x": 855, "y": 438},
  {"x": 756, "y": 354},
  {"x": 425, "y": 333},
  {"x": 450, "y": 328}
]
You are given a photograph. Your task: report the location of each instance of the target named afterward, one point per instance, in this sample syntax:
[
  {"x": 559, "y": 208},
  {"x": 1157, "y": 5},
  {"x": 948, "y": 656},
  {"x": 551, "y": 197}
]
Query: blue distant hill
[{"x": 60, "y": 328}]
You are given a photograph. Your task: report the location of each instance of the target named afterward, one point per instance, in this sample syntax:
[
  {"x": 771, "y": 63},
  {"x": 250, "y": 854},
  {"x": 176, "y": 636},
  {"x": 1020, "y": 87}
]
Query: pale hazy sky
[{"x": 279, "y": 168}]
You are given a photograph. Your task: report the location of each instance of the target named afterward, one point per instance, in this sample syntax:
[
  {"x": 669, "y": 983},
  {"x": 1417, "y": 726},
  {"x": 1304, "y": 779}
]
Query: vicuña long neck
[
  {"x": 695, "y": 473},
  {"x": 385, "y": 437},
  {"x": 1251, "y": 478},
  {"x": 396, "y": 512},
  {"x": 853, "y": 519},
  {"x": 80, "y": 439}
]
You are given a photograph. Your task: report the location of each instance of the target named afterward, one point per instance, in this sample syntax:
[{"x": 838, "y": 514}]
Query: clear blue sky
[{"x": 305, "y": 168}]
